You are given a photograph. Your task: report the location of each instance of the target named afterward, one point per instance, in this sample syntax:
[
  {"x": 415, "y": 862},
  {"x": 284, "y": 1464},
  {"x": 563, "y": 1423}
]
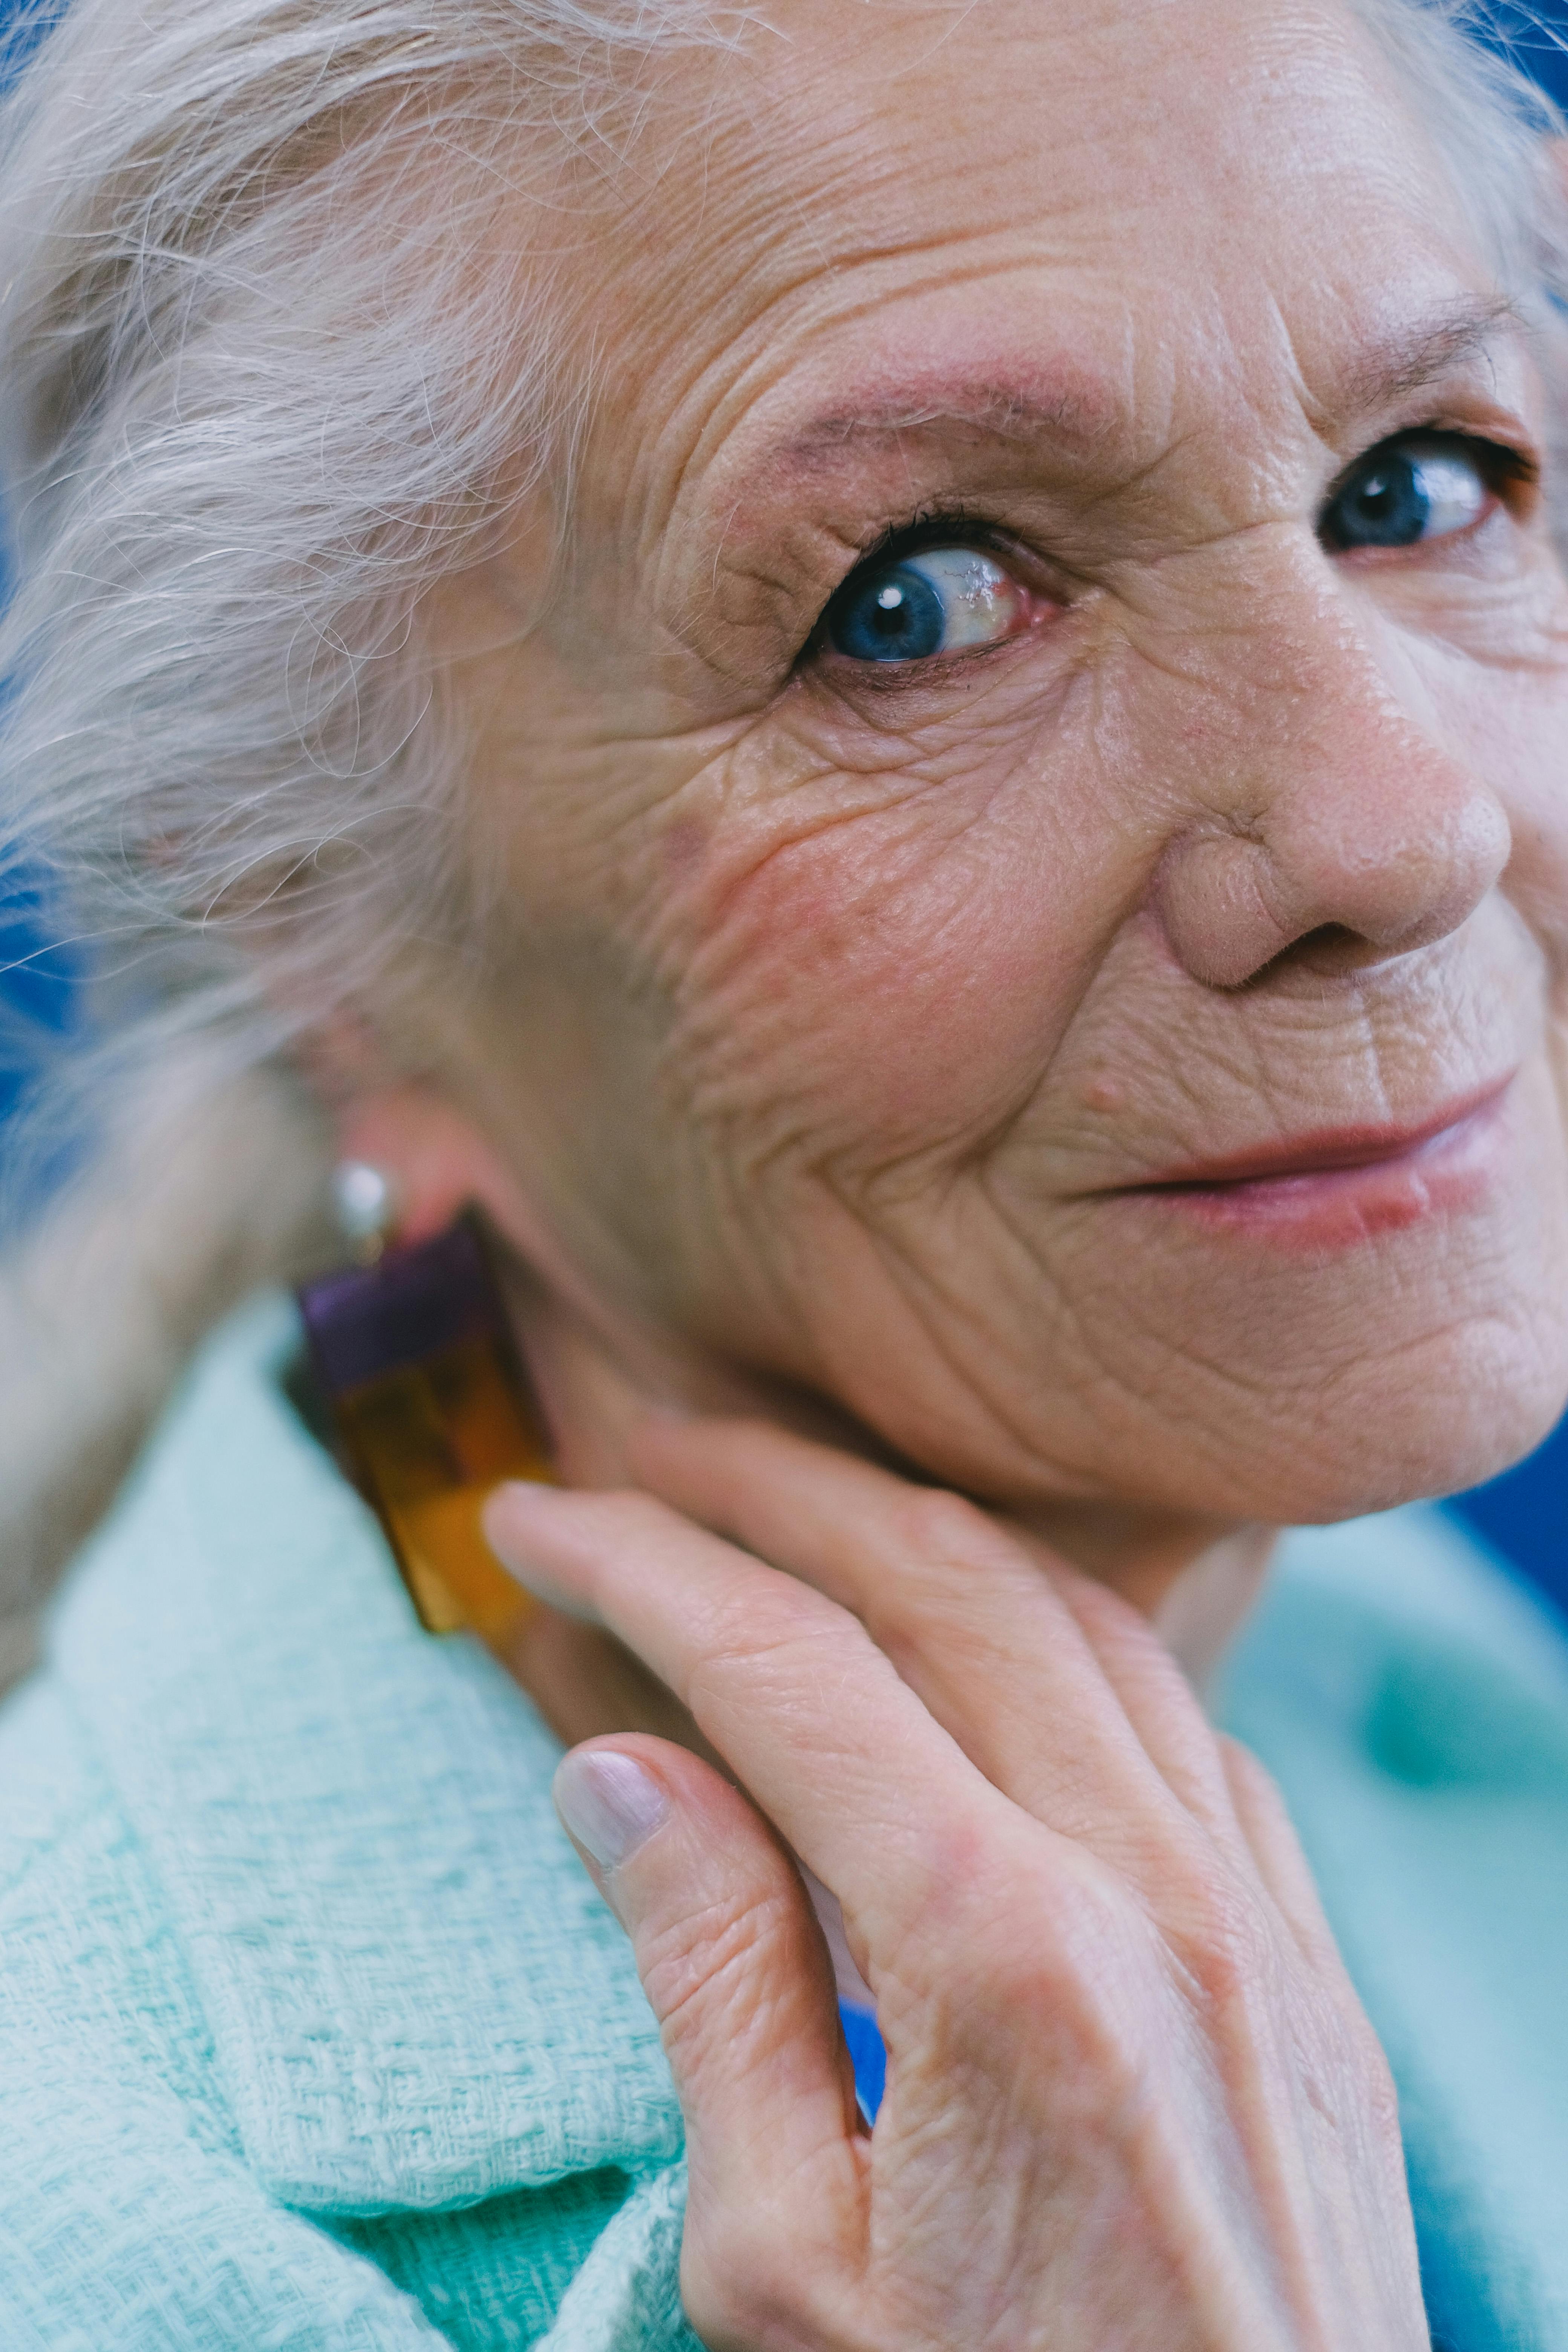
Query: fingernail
[{"x": 610, "y": 1805}]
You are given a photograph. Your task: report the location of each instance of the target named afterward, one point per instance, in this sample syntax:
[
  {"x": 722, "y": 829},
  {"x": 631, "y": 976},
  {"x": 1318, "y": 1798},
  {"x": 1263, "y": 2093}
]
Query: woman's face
[{"x": 1033, "y": 825}]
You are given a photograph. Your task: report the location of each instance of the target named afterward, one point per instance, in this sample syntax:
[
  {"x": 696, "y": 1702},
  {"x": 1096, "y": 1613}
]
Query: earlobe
[{"x": 441, "y": 1162}]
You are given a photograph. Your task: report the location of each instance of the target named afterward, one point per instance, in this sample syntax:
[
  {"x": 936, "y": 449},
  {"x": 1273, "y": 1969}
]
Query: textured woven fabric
[
  {"x": 1413, "y": 1702},
  {"x": 312, "y": 2031},
  {"x": 315, "y": 2038}
]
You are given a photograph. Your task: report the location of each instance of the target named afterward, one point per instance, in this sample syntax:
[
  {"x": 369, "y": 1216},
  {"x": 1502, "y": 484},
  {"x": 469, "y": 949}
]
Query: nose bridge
[{"x": 1315, "y": 795}]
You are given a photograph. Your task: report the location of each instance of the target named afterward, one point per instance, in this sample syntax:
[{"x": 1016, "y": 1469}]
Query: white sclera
[
  {"x": 980, "y": 602},
  {"x": 1453, "y": 491}
]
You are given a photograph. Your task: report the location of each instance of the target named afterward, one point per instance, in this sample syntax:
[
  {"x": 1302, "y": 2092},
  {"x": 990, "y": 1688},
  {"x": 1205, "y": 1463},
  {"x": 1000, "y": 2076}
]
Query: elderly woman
[{"x": 891, "y": 681}]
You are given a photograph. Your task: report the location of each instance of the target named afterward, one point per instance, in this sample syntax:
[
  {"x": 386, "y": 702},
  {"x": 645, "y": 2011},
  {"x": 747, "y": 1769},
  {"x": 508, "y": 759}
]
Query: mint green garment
[
  {"x": 1413, "y": 1704},
  {"x": 313, "y": 2034}
]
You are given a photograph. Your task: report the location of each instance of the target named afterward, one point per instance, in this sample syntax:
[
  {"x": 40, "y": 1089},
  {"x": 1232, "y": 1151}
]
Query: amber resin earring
[{"x": 414, "y": 1351}]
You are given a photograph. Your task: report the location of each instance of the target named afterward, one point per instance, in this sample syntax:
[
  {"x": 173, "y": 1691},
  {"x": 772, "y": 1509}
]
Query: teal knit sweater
[{"x": 314, "y": 2035}]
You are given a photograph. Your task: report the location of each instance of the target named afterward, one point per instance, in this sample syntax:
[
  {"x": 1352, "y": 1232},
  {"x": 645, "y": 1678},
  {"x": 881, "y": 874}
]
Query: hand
[{"x": 1132, "y": 2099}]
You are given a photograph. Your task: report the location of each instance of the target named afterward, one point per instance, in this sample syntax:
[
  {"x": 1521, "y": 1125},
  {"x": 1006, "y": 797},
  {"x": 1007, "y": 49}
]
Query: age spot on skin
[{"x": 685, "y": 842}]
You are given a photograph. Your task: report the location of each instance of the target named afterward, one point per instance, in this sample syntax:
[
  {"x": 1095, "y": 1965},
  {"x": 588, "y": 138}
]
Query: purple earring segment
[{"x": 416, "y": 1359}]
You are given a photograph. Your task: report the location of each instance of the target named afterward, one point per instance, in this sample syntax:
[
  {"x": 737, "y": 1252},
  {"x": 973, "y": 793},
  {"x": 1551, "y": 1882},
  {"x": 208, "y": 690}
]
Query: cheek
[
  {"x": 1510, "y": 728},
  {"x": 898, "y": 982}
]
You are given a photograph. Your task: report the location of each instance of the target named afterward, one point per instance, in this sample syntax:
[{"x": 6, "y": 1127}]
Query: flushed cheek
[{"x": 893, "y": 984}]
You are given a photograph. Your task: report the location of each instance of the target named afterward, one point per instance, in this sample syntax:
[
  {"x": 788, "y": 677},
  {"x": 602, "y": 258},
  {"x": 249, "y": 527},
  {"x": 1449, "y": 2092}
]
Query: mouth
[{"x": 1346, "y": 1183}]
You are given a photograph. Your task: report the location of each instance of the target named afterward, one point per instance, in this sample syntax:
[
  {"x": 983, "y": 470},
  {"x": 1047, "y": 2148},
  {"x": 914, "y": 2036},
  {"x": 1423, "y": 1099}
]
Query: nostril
[{"x": 1331, "y": 949}]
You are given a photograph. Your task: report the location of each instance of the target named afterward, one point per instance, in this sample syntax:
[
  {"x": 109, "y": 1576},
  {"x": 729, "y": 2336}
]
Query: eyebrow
[
  {"x": 1405, "y": 363},
  {"x": 1071, "y": 408},
  {"x": 1004, "y": 412}
]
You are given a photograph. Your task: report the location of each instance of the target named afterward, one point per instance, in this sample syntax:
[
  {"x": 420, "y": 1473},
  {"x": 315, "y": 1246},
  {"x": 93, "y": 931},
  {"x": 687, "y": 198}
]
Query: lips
[
  {"x": 1346, "y": 1183},
  {"x": 1327, "y": 1149}
]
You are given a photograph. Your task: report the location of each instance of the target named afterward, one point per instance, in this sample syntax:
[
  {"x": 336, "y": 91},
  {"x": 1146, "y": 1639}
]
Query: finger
[
  {"x": 1156, "y": 1697},
  {"x": 790, "y": 1689},
  {"x": 584, "y": 1683},
  {"x": 737, "y": 1973},
  {"x": 1060, "y": 1693},
  {"x": 1276, "y": 1849}
]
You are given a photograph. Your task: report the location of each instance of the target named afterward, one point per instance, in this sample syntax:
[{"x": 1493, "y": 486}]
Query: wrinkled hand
[{"x": 1131, "y": 2099}]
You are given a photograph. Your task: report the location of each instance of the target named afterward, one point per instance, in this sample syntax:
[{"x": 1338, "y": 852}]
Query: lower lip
[{"x": 1334, "y": 1208}]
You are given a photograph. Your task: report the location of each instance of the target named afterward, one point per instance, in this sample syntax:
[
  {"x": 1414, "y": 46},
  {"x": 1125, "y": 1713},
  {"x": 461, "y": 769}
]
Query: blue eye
[
  {"x": 1405, "y": 492},
  {"x": 935, "y": 601}
]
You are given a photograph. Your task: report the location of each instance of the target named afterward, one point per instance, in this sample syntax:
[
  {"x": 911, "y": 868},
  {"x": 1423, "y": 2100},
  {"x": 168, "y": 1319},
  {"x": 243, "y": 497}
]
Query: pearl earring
[{"x": 366, "y": 1202}]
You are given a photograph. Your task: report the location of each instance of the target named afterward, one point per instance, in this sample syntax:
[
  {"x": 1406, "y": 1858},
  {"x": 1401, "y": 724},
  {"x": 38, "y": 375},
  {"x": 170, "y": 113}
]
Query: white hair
[{"x": 269, "y": 368}]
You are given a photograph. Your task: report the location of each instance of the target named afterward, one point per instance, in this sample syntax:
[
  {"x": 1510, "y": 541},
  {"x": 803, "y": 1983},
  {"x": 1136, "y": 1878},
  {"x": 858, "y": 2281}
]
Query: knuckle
[
  {"x": 1000, "y": 1938},
  {"x": 767, "y": 1649},
  {"x": 963, "y": 1874},
  {"x": 1222, "y": 1931},
  {"x": 700, "y": 1962}
]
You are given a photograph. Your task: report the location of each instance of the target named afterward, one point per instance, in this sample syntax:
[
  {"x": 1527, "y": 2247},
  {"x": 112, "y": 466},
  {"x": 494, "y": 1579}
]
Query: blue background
[{"x": 1522, "y": 1514}]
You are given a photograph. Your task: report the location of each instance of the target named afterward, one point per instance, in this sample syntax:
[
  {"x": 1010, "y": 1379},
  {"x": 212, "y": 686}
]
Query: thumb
[{"x": 737, "y": 1972}]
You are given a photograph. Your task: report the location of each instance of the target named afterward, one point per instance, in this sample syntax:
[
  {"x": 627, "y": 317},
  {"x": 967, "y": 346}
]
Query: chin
[
  {"x": 1414, "y": 1424},
  {"x": 1480, "y": 1440}
]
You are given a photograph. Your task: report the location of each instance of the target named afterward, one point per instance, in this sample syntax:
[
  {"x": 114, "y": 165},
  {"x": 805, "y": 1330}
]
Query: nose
[{"x": 1320, "y": 804}]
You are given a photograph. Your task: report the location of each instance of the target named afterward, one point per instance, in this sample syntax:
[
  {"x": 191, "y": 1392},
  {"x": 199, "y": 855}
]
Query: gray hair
[
  {"x": 270, "y": 366},
  {"x": 261, "y": 388},
  {"x": 263, "y": 383}
]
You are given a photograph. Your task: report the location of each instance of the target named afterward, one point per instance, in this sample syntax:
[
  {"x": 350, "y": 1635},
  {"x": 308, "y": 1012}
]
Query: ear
[
  {"x": 440, "y": 1161},
  {"x": 595, "y": 1374},
  {"x": 437, "y": 1160}
]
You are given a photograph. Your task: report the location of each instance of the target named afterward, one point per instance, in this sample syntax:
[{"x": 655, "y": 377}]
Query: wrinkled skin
[
  {"x": 1132, "y": 2100},
  {"x": 850, "y": 1017},
  {"x": 842, "y": 1004}
]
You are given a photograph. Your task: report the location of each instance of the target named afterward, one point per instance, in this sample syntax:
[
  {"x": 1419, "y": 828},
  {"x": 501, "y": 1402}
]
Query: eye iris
[
  {"x": 1385, "y": 507},
  {"x": 894, "y": 615}
]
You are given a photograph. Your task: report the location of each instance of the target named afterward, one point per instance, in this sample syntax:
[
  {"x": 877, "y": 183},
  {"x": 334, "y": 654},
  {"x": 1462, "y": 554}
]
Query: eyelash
[
  {"x": 1500, "y": 466},
  {"x": 931, "y": 527}
]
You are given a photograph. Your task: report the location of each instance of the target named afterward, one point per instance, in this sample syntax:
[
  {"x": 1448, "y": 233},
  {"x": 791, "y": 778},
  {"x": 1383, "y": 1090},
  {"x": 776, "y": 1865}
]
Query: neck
[{"x": 1194, "y": 1579}]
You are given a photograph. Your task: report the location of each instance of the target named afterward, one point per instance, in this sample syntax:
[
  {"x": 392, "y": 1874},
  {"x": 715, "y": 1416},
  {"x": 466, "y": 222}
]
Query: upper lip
[{"x": 1325, "y": 1148}]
